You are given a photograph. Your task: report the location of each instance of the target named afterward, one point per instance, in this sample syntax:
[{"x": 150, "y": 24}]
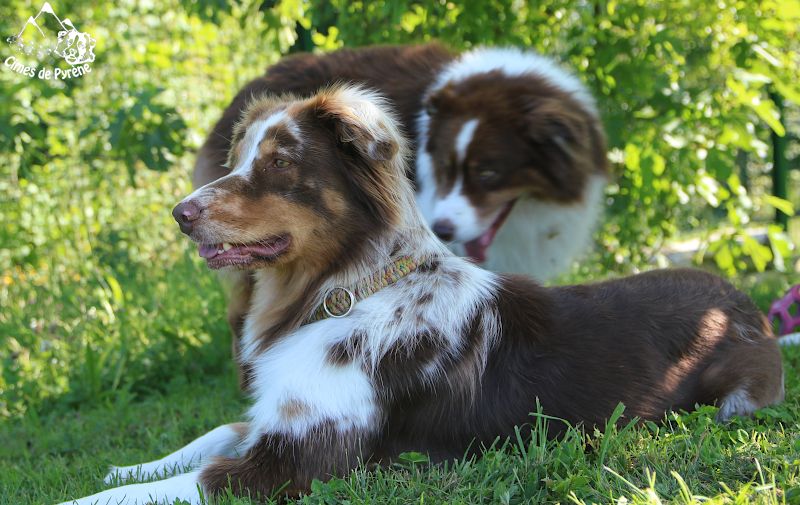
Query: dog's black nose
[
  {"x": 444, "y": 229},
  {"x": 185, "y": 213}
]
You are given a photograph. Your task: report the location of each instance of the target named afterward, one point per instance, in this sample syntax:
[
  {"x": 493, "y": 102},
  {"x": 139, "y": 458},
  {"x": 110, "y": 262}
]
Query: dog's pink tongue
[
  {"x": 476, "y": 248},
  {"x": 207, "y": 251}
]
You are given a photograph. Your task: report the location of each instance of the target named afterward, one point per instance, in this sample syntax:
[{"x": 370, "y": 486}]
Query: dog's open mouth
[
  {"x": 225, "y": 254},
  {"x": 476, "y": 248}
]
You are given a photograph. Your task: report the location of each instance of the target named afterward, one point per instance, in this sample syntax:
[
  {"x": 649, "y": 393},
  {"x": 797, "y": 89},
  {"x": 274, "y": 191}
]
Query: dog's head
[
  {"x": 311, "y": 179},
  {"x": 490, "y": 135}
]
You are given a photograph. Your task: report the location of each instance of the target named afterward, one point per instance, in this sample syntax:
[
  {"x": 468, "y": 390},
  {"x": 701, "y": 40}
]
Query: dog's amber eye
[{"x": 279, "y": 163}]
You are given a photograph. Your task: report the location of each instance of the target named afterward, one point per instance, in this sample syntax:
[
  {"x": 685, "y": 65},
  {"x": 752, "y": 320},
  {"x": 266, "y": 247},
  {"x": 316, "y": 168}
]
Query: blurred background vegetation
[{"x": 99, "y": 295}]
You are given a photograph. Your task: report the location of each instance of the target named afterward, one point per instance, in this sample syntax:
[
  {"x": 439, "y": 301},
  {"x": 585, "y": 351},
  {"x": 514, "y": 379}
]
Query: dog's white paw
[{"x": 182, "y": 487}]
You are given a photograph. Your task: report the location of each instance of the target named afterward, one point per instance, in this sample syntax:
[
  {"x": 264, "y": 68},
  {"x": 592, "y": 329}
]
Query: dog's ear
[
  {"x": 553, "y": 121},
  {"x": 562, "y": 136},
  {"x": 370, "y": 138},
  {"x": 439, "y": 100},
  {"x": 360, "y": 120}
]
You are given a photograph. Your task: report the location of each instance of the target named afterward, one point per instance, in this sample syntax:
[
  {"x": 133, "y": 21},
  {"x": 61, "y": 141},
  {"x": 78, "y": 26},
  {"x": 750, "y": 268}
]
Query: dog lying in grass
[{"x": 367, "y": 338}]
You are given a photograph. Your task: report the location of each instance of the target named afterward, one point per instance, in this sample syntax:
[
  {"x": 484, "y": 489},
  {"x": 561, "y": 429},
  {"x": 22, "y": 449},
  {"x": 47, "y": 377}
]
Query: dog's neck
[{"x": 283, "y": 298}]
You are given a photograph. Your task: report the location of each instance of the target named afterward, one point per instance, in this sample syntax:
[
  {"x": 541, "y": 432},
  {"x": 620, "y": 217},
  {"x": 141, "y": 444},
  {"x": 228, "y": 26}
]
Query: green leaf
[
  {"x": 413, "y": 458},
  {"x": 760, "y": 254},
  {"x": 782, "y": 205}
]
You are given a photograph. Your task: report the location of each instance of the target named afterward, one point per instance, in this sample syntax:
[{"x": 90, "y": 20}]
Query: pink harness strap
[{"x": 780, "y": 311}]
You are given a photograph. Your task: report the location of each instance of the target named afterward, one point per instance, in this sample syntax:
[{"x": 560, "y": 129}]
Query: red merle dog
[
  {"x": 366, "y": 337},
  {"x": 507, "y": 149}
]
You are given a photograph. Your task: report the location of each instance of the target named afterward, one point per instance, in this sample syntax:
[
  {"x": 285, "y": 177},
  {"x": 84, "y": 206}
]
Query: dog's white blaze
[
  {"x": 252, "y": 139},
  {"x": 457, "y": 208},
  {"x": 183, "y": 487},
  {"x": 425, "y": 181},
  {"x": 464, "y": 138},
  {"x": 514, "y": 62},
  {"x": 220, "y": 441}
]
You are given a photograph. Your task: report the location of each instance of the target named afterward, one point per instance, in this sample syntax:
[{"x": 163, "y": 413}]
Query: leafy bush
[
  {"x": 99, "y": 293},
  {"x": 683, "y": 88}
]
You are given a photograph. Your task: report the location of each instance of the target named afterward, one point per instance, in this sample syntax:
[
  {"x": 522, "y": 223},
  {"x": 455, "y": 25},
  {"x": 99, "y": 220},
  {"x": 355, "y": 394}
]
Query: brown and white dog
[
  {"x": 429, "y": 353},
  {"x": 508, "y": 149}
]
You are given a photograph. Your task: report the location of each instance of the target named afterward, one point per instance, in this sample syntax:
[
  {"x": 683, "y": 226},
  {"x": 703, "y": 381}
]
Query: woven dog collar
[{"x": 339, "y": 301}]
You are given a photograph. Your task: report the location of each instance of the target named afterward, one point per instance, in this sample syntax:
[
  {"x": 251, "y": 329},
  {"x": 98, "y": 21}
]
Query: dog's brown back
[
  {"x": 659, "y": 341},
  {"x": 399, "y": 72}
]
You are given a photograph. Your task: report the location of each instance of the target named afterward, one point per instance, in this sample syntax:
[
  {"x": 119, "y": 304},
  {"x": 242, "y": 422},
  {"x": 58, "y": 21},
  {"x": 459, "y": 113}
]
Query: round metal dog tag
[{"x": 350, "y": 305}]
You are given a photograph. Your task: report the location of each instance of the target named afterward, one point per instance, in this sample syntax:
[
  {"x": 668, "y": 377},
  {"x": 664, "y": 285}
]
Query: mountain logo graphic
[{"x": 46, "y": 35}]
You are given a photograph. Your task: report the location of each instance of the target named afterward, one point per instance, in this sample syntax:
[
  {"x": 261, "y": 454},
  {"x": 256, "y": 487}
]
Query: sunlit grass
[{"x": 688, "y": 458}]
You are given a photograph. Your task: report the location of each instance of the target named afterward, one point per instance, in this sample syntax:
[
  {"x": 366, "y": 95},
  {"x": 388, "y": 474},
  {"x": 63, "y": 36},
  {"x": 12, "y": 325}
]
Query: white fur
[
  {"x": 737, "y": 403},
  {"x": 425, "y": 179},
  {"x": 514, "y": 62},
  {"x": 183, "y": 487},
  {"x": 220, "y": 441},
  {"x": 543, "y": 239},
  {"x": 464, "y": 138},
  {"x": 789, "y": 339},
  {"x": 457, "y": 208},
  {"x": 295, "y": 369},
  {"x": 252, "y": 140}
]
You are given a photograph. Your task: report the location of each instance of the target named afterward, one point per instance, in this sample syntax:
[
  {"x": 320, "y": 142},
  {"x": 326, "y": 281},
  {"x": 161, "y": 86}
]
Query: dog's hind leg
[
  {"x": 745, "y": 377},
  {"x": 221, "y": 441}
]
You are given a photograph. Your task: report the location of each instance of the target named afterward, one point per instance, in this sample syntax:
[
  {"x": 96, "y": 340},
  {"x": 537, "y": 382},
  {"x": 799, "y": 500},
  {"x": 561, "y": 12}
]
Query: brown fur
[
  {"x": 645, "y": 341},
  {"x": 655, "y": 342},
  {"x": 514, "y": 139},
  {"x": 518, "y": 117},
  {"x": 307, "y": 201}
]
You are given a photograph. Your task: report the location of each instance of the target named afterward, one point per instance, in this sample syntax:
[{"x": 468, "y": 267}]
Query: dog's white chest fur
[
  {"x": 299, "y": 386},
  {"x": 543, "y": 239}
]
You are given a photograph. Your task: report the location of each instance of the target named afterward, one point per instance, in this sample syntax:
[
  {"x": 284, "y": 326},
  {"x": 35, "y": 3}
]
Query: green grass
[
  {"x": 62, "y": 444},
  {"x": 47, "y": 458}
]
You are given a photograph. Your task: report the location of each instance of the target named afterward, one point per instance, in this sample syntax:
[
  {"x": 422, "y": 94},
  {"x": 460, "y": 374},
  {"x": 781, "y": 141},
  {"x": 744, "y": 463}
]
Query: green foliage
[
  {"x": 102, "y": 302},
  {"x": 683, "y": 87},
  {"x": 98, "y": 290}
]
